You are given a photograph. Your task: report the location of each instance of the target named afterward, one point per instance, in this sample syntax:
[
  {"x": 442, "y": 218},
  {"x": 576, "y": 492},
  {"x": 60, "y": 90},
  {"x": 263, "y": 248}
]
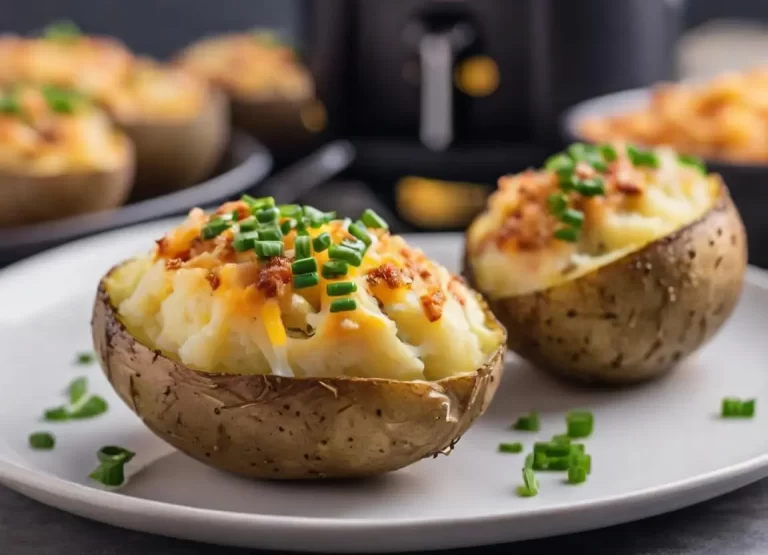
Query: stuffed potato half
[
  {"x": 279, "y": 342},
  {"x": 60, "y": 156},
  {"x": 612, "y": 264}
]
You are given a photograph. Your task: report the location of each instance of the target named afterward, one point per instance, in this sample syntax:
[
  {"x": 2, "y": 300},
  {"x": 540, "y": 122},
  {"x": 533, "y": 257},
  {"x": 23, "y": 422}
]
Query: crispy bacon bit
[
  {"x": 213, "y": 279},
  {"x": 455, "y": 289},
  {"x": 628, "y": 188},
  {"x": 235, "y": 206},
  {"x": 433, "y": 303},
  {"x": 390, "y": 274},
  {"x": 275, "y": 276},
  {"x": 173, "y": 263}
]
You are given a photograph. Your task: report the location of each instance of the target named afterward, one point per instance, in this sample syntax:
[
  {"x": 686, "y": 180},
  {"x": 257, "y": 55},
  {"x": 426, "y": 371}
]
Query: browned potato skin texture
[
  {"x": 275, "y": 122},
  {"x": 635, "y": 318},
  {"x": 172, "y": 155},
  {"x": 265, "y": 426},
  {"x": 28, "y": 199}
]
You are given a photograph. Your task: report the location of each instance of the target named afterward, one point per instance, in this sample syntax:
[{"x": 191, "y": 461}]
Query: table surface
[{"x": 733, "y": 524}]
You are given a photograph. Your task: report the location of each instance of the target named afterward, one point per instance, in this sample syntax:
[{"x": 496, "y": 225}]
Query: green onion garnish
[
  {"x": 590, "y": 187},
  {"x": 347, "y": 254},
  {"x": 304, "y": 266},
  {"x": 55, "y": 414},
  {"x": 558, "y": 464},
  {"x": 579, "y": 151},
  {"x": 358, "y": 230},
  {"x": 267, "y": 249},
  {"x": 302, "y": 281},
  {"x": 301, "y": 229},
  {"x": 287, "y": 226},
  {"x": 573, "y": 218},
  {"x": 609, "y": 153},
  {"x": 245, "y": 241},
  {"x": 213, "y": 228},
  {"x": 528, "y": 423},
  {"x": 77, "y": 389},
  {"x": 693, "y": 161},
  {"x": 736, "y": 408},
  {"x": 248, "y": 224},
  {"x": 528, "y": 461},
  {"x": 567, "y": 234},
  {"x": 94, "y": 406},
  {"x": 373, "y": 220},
  {"x": 580, "y": 423},
  {"x": 270, "y": 234},
  {"x": 334, "y": 268},
  {"x": 552, "y": 449},
  {"x": 302, "y": 247},
  {"x": 256, "y": 204},
  {"x": 576, "y": 475},
  {"x": 321, "y": 242},
  {"x": 560, "y": 163},
  {"x": 561, "y": 438},
  {"x": 341, "y": 288},
  {"x": 9, "y": 104},
  {"x": 568, "y": 182},
  {"x": 62, "y": 31},
  {"x": 557, "y": 203},
  {"x": 510, "y": 447},
  {"x": 291, "y": 211},
  {"x": 328, "y": 217},
  {"x": 642, "y": 157},
  {"x": 315, "y": 217},
  {"x": 267, "y": 215},
  {"x": 85, "y": 358},
  {"x": 60, "y": 100},
  {"x": 42, "y": 440},
  {"x": 530, "y": 485},
  {"x": 582, "y": 460},
  {"x": 343, "y": 305},
  {"x": 111, "y": 470}
]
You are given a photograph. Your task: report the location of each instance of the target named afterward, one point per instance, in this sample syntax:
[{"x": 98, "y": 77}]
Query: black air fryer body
[{"x": 389, "y": 73}]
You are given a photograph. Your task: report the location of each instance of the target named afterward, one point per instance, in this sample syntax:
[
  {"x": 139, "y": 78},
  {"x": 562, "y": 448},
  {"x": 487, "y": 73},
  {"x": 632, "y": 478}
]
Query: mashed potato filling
[
  {"x": 527, "y": 239},
  {"x": 217, "y": 302}
]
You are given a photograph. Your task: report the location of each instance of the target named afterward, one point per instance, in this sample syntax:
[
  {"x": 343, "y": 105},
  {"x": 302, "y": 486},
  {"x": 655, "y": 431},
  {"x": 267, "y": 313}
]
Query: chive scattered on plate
[
  {"x": 736, "y": 408},
  {"x": 511, "y": 447},
  {"x": 530, "y": 485},
  {"x": 84, "y": 358},
  {"x": 528, "y": 423},
  {"x": 43, "y": 441},
  {"x": 111, "y": 469},
  {"x": 77, "y": 389},
  {"x": 580, "y": 423},
  {"x": 343, "y": 305}
]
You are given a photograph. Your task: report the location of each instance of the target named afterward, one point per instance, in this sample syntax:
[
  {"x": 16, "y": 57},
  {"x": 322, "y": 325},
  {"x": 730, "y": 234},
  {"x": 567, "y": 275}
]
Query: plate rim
[{"x": 64, "y": 494}]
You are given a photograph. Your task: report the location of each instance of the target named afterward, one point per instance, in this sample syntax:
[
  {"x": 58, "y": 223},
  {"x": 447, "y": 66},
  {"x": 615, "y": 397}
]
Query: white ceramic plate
[{"x": 656, "y": 447}]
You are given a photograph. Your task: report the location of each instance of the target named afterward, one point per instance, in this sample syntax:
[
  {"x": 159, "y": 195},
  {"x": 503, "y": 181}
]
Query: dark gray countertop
[{"x": 734, "y": 524}]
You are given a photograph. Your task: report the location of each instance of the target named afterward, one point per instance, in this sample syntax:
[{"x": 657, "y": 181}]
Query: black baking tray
[{"x": 245, "y": 163}]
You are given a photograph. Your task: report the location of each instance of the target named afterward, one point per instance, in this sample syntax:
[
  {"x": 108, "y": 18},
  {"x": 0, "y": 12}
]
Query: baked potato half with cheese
[
  {"x": 612, "y": 264},
  {"x": 60, "y": 156},
  {"x": 280, "y": 342},
  {"x": 272, "y": 94},
  {"x": 178, "y": 124}
]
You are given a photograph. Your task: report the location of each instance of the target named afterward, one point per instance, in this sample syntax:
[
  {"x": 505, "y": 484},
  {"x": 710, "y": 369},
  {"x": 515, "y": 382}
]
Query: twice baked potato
[
  {"x": 272, "y": 94},
  {"x": 178, "y": 124},
  {"x": 59, "y": 156},
  {"x": 280, "y": 342},
  {"x": 610, "y": 265}
]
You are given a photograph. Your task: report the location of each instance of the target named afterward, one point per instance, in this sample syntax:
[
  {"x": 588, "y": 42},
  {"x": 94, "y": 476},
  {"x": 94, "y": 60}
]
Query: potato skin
[
  {"x": 28, "y": 199},
  {"x": 275, "y": 122},
  {"x": 272, "y": 427},
  {"x": 639, "y": 316},
  {"x": 172, "y": 155}
]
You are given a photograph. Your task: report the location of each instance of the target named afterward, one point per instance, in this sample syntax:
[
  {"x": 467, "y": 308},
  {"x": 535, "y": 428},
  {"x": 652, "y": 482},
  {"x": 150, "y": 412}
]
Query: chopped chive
[
  {"x": 568, "y": 182},
  {"x": 315, "y": 218},
  {"x": 94, "y": 406},
  {"x": 552, "y": 449},
  {"x": 248, "y": 224},
  {"x": 528, "y": 423},
  {"x": 609, "y": 153},
  {"x": 561, "y": 438},
  {"x": 302, "y": 247},
  {"x": 693, "y": 161},
  {"x": 267, "y": 249},
  {"x": 558, "y": 464},
  {"x": 290, "y": 211},
  {"x": 358, "y": 230},
  {"x": 530, "y": 485},
  {"x": 540, "y": 460},
  {"x": 347, "y": 254},
  {"x": 567, "y": 234},
  {"x": 573, "y": 218},
  {"x": 583, "y": 461},
  {"x": 735, "y": 408},
  {"x": 354, "y": 244},
  {"x": 62, "y": 31},
  {"x": 256, "y": 204},
  {"x": 528, "y": 461},
  {"x": 559, "y": 162},
  {"x": 334, "y": 268},
  {"x": 84, "y": 358},
  {"x": 77, "y": 389},
  {"x": 511, "y": 447},
  {"x": 328, "y": 217},
  {"x": 270, "y": 234},
  {"x": 114, "y": 454},
  {"x": 304, "y": 266},
  {"x": 213, "y": 228},
  {"x": 576, "y": 475},
  {"x": 56, "y": 414},
  {"x": 343, "y": 305},
  {"x": 580, "y": 423},
  {"x": 640, "y": 157},
  {"x": 60, "y": 100},
  {"x": 111, "y": 470},
  {"x": 321, "y": 242},
  {"x": 341, "y": 288},
  {"x": 287, "y": 226},
  {"x": 301, "y": 229},
  {"x": 748, "y": 408},
  {"x": 42, "y": 440},
  {"x": 373, "y": 220},
  {"x": 302, "y": 281},
  {"x": 557, "y": 203},
  {"x": 267, "y": 215},
  {"x": 579, "y": 151},
  {"x": 591, "y": 187},
  {"x": 245, "y": 241}
]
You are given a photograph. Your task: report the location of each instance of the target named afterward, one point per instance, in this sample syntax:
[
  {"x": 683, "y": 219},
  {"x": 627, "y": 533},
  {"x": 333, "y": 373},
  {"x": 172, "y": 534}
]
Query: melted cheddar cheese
[
  {"x": 37, "y": 139},
  {"x": 219, "y": 310},
  {"x": 151, "y": 90},
  {"x": 512, "y": 245},
  {"x": 249, "y": 65}
]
